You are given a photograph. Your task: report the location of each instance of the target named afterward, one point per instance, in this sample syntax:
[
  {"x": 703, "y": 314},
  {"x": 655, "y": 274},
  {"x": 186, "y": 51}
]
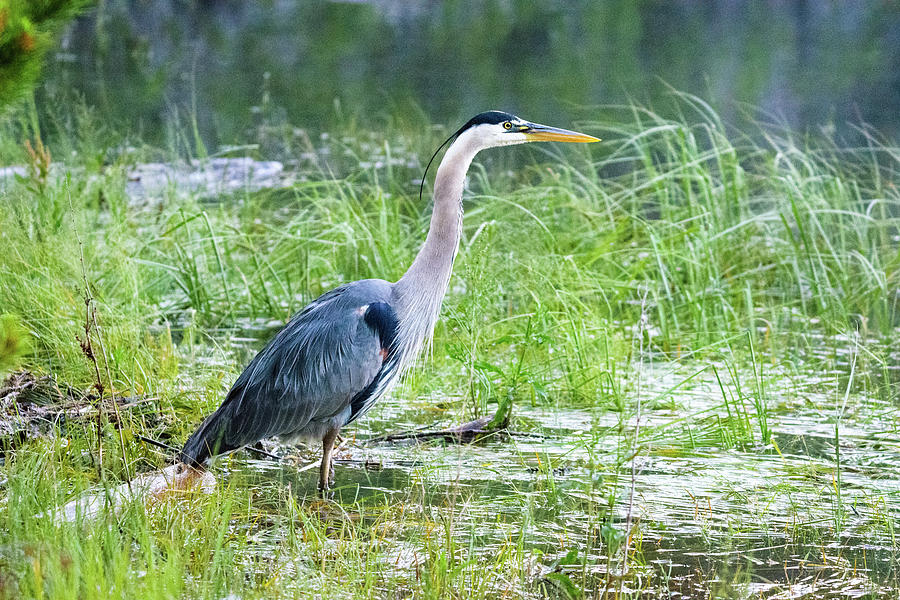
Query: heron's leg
[{"x": 325, "y": 469}]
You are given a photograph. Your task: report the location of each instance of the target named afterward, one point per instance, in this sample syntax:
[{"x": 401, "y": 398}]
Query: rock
[{"x": 210, "y": 178}]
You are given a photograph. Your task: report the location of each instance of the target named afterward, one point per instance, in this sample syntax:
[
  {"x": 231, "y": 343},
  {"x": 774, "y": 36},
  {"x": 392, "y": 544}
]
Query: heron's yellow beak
[{"x": 543, "y": 133}]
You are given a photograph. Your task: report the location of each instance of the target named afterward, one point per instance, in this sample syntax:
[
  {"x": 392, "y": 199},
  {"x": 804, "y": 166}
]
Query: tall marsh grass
[{"x": 732, "y": 246}]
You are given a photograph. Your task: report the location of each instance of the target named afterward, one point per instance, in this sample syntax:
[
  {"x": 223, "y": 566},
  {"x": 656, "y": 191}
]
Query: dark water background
[{"x": 814, "y": 65}]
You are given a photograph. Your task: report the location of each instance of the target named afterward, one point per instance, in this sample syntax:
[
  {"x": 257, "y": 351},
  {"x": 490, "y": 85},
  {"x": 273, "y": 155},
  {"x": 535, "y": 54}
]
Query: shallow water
[{"x": 761, "y": 520}]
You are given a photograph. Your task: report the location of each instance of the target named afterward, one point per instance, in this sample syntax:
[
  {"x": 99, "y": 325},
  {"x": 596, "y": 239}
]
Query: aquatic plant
[{"x": 743, "y": 288}]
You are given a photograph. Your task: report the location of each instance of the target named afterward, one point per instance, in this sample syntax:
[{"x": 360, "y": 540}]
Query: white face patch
[
  {"x": 510, "y": 139},
  {"x": 492, "y": 135},
  {"x": 362, "y": 309}
]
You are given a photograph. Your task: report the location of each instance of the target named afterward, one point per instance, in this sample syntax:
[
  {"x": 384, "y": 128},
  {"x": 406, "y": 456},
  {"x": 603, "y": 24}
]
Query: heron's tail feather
[{"x": 209, "y": 440}]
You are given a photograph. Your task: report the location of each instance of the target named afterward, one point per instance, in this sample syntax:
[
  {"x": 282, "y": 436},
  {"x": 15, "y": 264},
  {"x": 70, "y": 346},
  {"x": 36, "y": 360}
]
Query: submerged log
[
  {"x": 150, "y": 487},
  {"x": 462, "y": 434}
]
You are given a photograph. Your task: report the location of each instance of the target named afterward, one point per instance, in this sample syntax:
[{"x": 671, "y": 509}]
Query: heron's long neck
[{"x": 422, "y": 288}]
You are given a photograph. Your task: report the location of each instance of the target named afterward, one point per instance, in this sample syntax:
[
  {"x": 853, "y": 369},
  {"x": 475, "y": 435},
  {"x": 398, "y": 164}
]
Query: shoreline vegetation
[{"x": 698, "y": 327}]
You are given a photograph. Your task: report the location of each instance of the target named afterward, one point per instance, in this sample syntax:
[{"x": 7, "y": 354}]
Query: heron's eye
[{"x": 507, "y": 125}]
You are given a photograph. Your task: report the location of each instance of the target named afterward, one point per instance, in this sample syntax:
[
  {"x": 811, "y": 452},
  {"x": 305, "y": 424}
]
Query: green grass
[{"x": 751, "y": 258}]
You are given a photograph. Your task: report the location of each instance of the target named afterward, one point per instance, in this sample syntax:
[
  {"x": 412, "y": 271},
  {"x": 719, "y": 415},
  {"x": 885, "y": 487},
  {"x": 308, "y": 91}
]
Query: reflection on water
[
  {"x": 237, "y": 66},
  {"x": 763, "y": 519}
]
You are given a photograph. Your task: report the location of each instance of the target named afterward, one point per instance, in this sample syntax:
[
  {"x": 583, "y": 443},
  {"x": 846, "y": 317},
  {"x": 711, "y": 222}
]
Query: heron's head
[{"x": 497, "y": 128}]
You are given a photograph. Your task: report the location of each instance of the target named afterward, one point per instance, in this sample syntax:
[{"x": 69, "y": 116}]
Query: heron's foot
[
  {"x": 327, "y": 483},
  {"x": 324, "y": 491}
]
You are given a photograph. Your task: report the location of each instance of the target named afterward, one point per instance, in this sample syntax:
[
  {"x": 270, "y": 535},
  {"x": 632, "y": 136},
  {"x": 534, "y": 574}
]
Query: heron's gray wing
[{"x": 312, "y": 370}]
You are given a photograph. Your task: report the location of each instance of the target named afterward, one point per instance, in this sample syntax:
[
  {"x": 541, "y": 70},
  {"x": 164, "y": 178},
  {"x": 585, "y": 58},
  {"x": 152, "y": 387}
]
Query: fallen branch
[{"x": 463, "y": 434}]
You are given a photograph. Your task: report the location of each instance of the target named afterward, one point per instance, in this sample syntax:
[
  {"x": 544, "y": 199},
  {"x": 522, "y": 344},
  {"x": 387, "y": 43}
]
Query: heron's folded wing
[{"x": 311, "y": 370}]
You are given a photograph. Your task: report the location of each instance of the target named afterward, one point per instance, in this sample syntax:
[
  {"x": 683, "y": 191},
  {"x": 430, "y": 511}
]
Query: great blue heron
[{"x": 336, "y": 357}]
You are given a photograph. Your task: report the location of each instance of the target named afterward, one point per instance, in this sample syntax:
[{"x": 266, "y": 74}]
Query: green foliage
[
  {"x": 13, "y": 343},
  {"x": 583, "y": 273},
  {"x": 28, "y": 29}
]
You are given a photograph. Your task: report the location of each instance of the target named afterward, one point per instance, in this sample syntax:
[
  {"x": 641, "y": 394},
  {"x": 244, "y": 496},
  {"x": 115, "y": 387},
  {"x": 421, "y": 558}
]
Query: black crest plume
[{"x": 490, "y": 117}]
